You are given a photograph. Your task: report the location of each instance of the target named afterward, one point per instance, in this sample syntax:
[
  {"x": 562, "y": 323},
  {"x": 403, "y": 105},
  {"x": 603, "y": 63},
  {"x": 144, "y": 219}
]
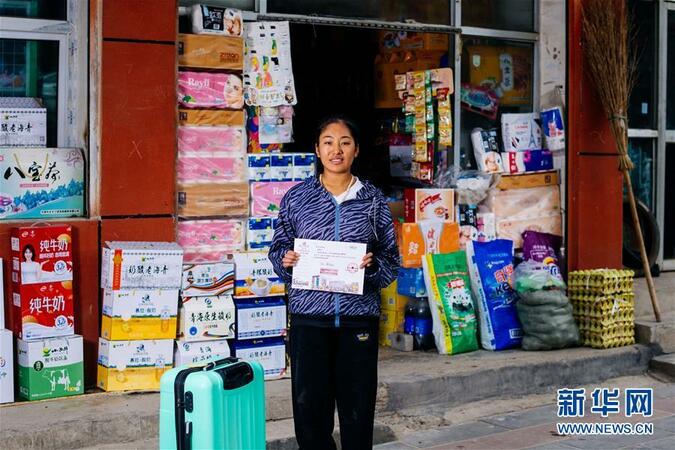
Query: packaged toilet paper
[
  {"x": 210, "y": 90},
  {"x": 204, "y": 167},
  {"x": 221, "y": 139},
  {"x": 210, "y": 240}
]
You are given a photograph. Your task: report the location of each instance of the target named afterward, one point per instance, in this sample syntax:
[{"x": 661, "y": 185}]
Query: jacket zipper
[{"x": 336, "y": 237}]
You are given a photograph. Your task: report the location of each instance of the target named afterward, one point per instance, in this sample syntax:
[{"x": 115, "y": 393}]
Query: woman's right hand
[{"x": 290, "y": 259}]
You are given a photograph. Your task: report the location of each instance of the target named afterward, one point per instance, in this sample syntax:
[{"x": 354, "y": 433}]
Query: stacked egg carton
[{"x": 604, "y": 306}]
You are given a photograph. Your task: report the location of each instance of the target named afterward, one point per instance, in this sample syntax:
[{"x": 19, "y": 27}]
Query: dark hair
[
  {"x": 353, "y": 129},
  {"x": 28, "y": 247}
]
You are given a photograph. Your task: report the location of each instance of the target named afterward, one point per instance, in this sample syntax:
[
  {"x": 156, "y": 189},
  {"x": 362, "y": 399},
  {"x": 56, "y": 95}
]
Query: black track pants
[{"x": 332, "y": 366}]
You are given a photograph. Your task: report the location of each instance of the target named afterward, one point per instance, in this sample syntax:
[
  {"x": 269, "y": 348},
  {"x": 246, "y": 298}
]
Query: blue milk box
[
  {"x": 281, "y": 167},
  {"x": 259, "y": 232},
  {"x": 260, "y": 318},
  {"x": 304, "y": 166},
  {"x": 259, "y": 167},
  {"x": 41, "y": 183},
  {"x": 270, "y": 353},
  {"x": 410, "y": 282}
]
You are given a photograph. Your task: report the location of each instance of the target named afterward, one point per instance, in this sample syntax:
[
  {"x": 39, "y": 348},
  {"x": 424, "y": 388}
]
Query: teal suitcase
[{"x": 217, "y": 406}]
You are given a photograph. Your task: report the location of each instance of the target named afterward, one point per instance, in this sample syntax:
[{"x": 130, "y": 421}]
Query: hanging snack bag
[
  {"x": 491, "y": 269},
  {"x": 452, "y": 309}
]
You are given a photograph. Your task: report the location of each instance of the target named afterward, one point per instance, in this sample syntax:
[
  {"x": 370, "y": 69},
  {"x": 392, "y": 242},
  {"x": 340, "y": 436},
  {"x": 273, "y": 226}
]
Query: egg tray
[
  {"x": 603, "y": 316},
  {"x": 600, "y": 281},
  {"x": 624, "y": 327},
  {"x": 603, "y": 310},
  {"x": 595, "y": 340}
]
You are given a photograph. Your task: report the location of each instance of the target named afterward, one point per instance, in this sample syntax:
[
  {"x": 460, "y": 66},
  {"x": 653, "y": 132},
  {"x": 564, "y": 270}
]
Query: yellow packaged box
[
  {"x": 139, "y": 314},
  {"x": 210, "y": 52},
  {"x": 133, "y": 365},
  {"x": 391, "y": 299},
  {"x": 529, "y": 180},
  {"x": 390, "y": 322},
  {"x": 213, "y": 117}
]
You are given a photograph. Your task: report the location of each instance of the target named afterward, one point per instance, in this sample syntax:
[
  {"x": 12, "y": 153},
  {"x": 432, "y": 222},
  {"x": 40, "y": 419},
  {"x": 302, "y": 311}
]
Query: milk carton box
[
  {"x": 42, "y": 254},
  {"x": 6, "y": 367},
  {"x": 270, "y": 353},
  {"x": 133, "y": 314},
  {"x": 208, "y": 279},
  {"x": 281, "y": 167},
  {"x": 200, "y": 352},
  {"x": 126, "y": 265},
  {"x": 304, "y": 166},
  {"x": 259, "y": 167},
  {"x": 43, "y": 310},
  {"x": 259, "y": 233},
  {"x": 207, "y": 318},
  {"x": 23, "y": 122},
  {"x": 255, "y": 277},
  {"x": 50, "y": 368},
  {"x": 435, "y": 204},
  {"x": 260, "y": 318},
  {"x": 133, "y": 365}
]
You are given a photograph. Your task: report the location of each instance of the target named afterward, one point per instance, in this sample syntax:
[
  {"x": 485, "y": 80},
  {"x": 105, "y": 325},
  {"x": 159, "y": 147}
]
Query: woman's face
[
  {"x": 28, "y": 254},
  {"x": 336, "y": 148}
]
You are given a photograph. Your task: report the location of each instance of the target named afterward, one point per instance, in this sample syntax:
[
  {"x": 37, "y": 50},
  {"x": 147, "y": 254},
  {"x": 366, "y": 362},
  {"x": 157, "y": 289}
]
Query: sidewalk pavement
[{"x": 535, "y": 428}]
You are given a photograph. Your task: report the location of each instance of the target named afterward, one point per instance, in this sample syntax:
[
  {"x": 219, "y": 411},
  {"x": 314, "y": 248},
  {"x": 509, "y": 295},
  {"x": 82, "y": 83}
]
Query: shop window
[
  {"x": 428, "y": 11},
  {"x": 642, "y": 106},
  {"x": 513, "y": 15},
  {"x": 641, "y": 152},
  {"x": 34, "y": 9},
  {"x": 501, "y": 70},
  {"x": 669, "y": 211},
  {"x": 29, "y": 68},
  {"x": 244, "y": 5},
  {"x": 670, "y": 61}
]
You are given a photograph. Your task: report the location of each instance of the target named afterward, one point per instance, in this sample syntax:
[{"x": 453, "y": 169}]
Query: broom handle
[{"x": 641, "y": 243}]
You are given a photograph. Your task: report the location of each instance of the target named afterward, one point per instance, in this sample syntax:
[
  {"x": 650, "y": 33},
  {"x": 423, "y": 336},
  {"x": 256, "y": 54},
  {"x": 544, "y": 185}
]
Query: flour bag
[
  {"x": 491, "y": 269},
  {"x": 452, "y": 310}
]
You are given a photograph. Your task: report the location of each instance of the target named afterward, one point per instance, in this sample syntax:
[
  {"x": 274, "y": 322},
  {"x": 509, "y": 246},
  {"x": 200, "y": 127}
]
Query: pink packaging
[
  {"x": 266, "y": 197},
  {"x": 217, "y": 167},
  {"x": 212, "y": 139},
  {"x": 210, "y": 90},
  {"x": 210, "y": 240}
]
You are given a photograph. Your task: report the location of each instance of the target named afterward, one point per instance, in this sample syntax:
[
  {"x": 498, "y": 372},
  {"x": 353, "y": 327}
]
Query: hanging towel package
[
  {"x": 452, "y": 309},
  {"x": 521, "y": 132},
  {"x": 491, "y": 269}
]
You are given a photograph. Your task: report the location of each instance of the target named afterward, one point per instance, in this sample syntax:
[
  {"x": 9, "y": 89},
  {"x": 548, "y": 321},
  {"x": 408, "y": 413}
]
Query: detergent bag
[
  {"x": 452, "y": 310},
  {"x": 491, "y": 269}
]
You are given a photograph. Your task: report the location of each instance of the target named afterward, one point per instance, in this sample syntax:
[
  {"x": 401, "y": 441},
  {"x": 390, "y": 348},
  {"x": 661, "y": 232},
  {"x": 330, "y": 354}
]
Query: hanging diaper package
[
  {"x": 491, "y": 269},
  {"x": 521, "y": 132},
  {"x": 210, "y": 90},
  {"x": 452, "y": 309},
  {"x": 215, "y": 20}
]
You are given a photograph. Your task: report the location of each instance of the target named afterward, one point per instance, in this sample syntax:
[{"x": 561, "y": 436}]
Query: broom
[{"x": 606, "y": 39}]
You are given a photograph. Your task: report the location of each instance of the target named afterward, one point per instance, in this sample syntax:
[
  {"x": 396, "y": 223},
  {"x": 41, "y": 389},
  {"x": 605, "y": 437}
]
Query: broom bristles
[{"x": 607, "y": 42}]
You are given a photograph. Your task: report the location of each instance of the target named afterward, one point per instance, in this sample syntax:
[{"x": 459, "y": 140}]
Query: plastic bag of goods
[
  {"x": 544, "y": 310},
  {"x": 491, "y": 272},
  {"x": 452, "y": 309}
]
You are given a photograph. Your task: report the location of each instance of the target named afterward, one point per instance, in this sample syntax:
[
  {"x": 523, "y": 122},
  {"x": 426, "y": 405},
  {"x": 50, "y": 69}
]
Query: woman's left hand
[{"x": 367, "y": 260}]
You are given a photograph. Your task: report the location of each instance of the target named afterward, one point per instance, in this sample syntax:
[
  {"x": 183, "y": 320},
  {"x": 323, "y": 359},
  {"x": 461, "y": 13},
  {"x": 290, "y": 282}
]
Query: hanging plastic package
[
  {"x": 491, "y": 269},
  {"x": 486, "y": 150},
  {"x": 553, "y": 127},
  {"x": 452, "y": 309},
  {"x": 521, "y": 132}
]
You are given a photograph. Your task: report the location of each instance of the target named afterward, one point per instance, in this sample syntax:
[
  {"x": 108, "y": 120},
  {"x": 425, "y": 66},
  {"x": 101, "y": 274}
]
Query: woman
[
  {"x": 31, "y": 271},
  {"x": 333, "y": 337}
]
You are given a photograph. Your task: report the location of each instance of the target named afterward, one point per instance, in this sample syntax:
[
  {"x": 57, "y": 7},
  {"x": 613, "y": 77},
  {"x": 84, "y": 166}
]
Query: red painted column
[{"x": 594, "y": 183}]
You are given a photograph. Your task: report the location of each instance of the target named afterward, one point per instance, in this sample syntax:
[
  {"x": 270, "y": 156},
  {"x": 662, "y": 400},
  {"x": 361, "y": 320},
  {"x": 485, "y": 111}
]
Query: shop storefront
[{"x": 106, "y": 72}]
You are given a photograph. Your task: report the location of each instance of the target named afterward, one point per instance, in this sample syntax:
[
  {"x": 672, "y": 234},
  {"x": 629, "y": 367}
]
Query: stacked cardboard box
[
  {"x": 140, "y": 282},
  {"x": 49, "y": 354},
  {"x": 604, "y": 306},
  {"x": 392, "y": 312}
]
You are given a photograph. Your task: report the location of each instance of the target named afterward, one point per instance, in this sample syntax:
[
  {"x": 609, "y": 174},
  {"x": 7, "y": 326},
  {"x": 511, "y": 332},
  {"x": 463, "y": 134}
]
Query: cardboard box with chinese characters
[
  {"x": 6, "y": 366},
  {"x": 260, "y": 318},
  {"x": 23, "y": 122},
  {"x": 50, "y": 368},
  {"x": 255, "y": 277},
  {"x": 133, "y": 365},
  {"x": 134, "y": 314},
  {"x": 391, "y": 300},
  {"x": 200, "y": 352},
  {"x": 211, "y": 52},
  {"x": 41, "y": 183},
  {"x": 201, "y": 280},
  {"x": 429, "y": 204},
  {"x": 390, "y": 322},
  {"x": 207, "y": 318},
  {"x": 270, "y": 353},
  {"x": 128, "y": 265}
]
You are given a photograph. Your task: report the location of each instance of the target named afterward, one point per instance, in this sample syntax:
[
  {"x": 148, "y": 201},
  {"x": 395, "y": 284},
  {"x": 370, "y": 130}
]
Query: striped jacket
[{"x": 309, "y": 211}]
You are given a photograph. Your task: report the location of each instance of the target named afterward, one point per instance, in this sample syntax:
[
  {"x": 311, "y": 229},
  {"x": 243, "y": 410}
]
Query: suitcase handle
[
  {"x": 235, "y": 375},
  {"x": 213, "y": 364}
]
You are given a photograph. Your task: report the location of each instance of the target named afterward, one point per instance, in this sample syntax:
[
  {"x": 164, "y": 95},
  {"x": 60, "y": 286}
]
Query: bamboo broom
[{"x": 607, "y": 38}]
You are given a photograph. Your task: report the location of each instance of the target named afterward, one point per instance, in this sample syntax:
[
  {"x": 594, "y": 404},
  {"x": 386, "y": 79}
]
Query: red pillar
[{"x": 594, "y": 184}]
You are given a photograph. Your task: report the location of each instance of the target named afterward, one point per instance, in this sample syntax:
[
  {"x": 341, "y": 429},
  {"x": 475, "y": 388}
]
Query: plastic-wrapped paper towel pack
[
  {"x": 212, "y": 139},
  {"x": 210, "y": 240},
  {"x": 210, "y": 90}
]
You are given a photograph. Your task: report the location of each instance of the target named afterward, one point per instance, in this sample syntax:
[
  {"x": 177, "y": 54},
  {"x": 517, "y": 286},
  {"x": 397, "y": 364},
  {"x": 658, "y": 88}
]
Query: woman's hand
[
  {"x": 367, "y": 260},
  {"x": 290, "y": 259}
]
